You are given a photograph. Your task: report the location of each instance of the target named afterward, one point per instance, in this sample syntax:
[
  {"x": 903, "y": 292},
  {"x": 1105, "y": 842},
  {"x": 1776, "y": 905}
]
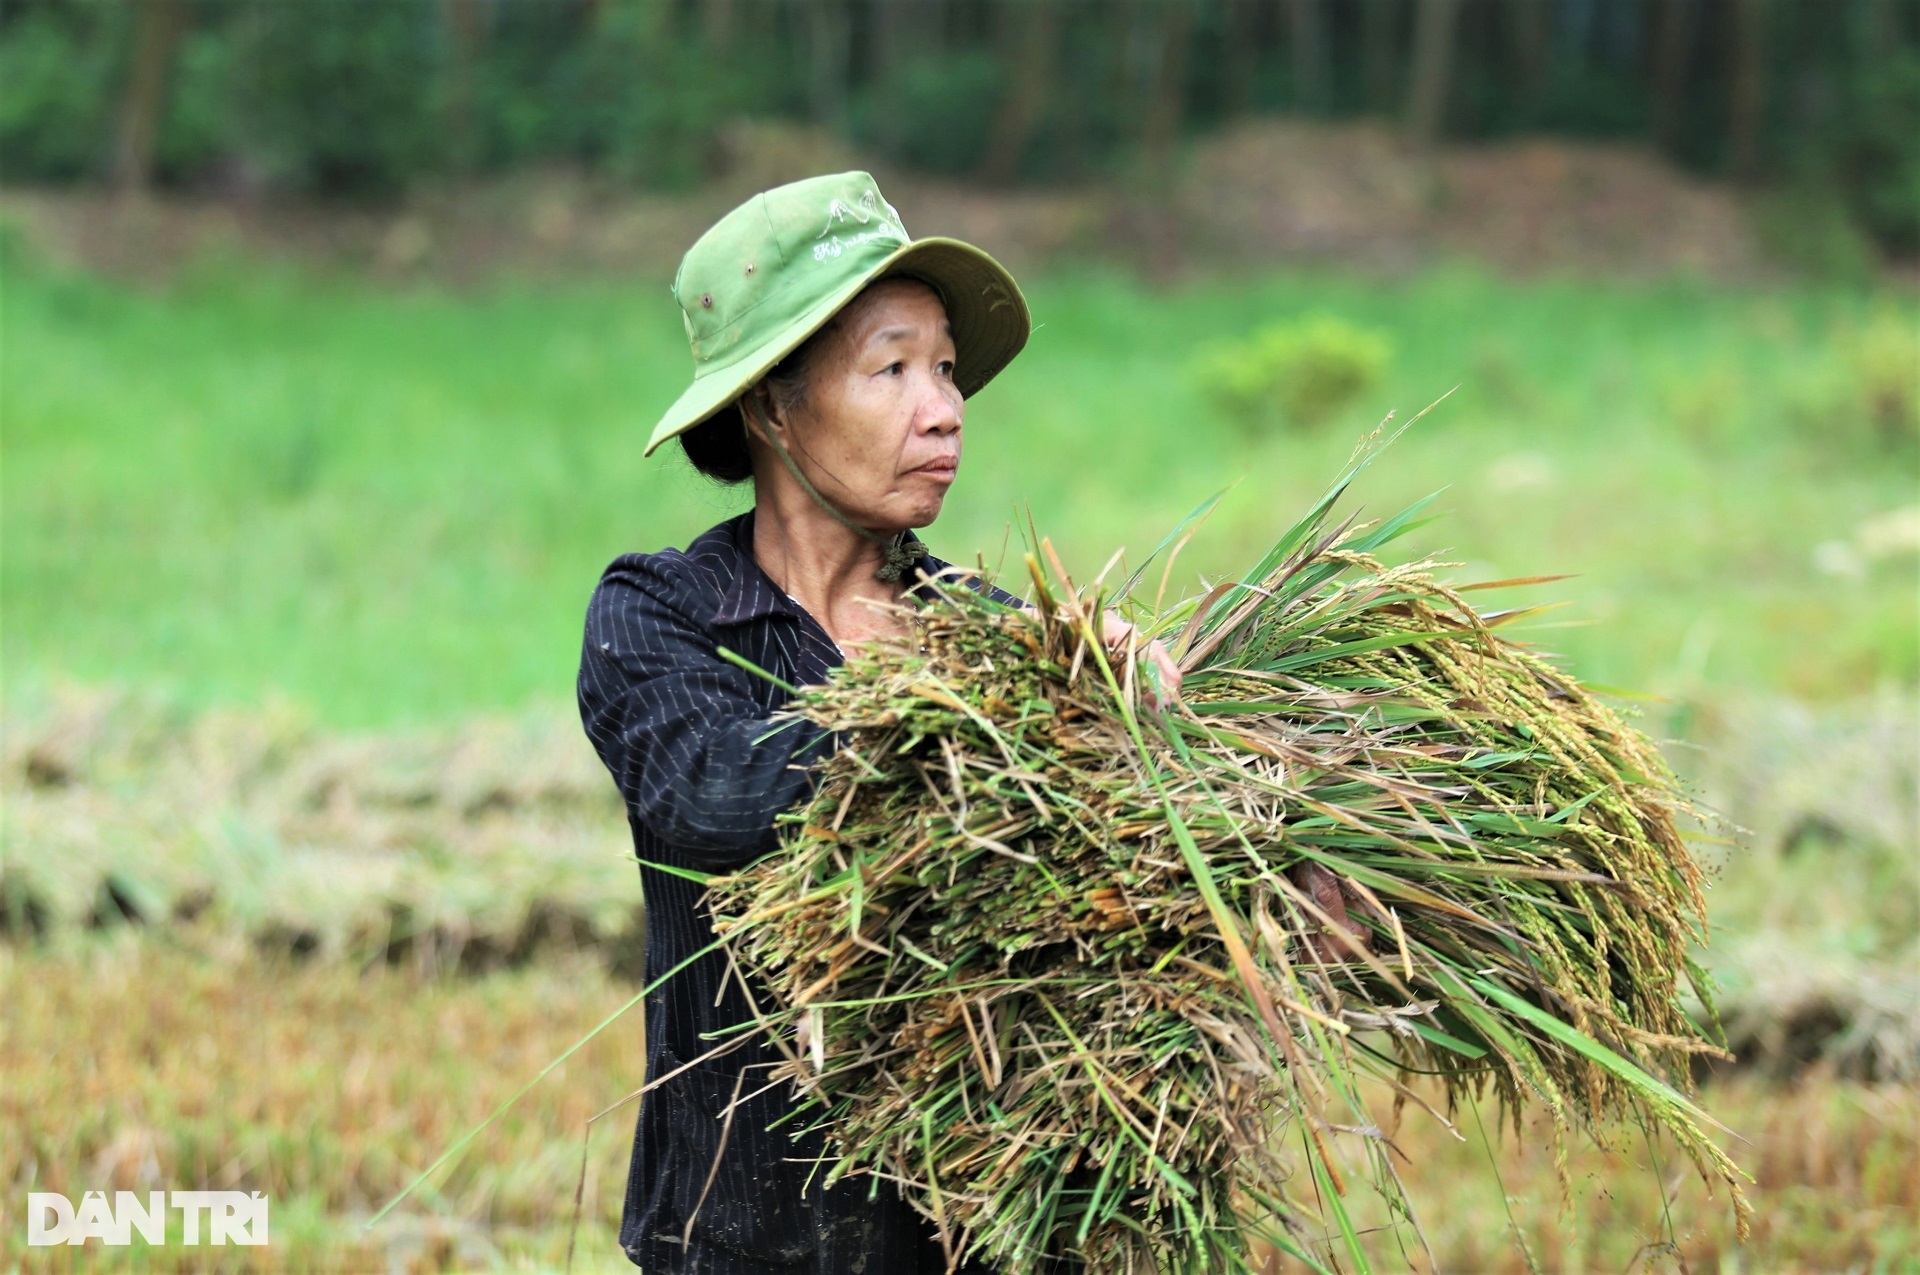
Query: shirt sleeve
[{"x": 696, "y": 756}]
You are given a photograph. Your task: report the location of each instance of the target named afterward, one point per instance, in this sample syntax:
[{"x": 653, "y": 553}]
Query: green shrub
[
  {"x": 1873, "y": 150},
  {"x": 1810, "y": 229},
  {"x": 929, "y": 114},
  {"x": 57, "y": 75},
  {"x": 338, "y": 103},
  {"x": 648, "y": 104},
  {"x": 1884, "y": 355},
  {"x": 1865, "y": 390},
  {"x": 1303, "y": 371},
  {"x": 202, "y": 131}
]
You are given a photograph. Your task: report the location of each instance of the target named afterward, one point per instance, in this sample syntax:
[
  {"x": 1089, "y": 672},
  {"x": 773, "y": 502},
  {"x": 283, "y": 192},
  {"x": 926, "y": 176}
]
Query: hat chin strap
[{"x": 902, "y": 551}]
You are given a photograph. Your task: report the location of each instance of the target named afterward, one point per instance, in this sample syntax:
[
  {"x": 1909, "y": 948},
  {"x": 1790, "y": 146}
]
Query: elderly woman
[{"x": 833, "y": 359}]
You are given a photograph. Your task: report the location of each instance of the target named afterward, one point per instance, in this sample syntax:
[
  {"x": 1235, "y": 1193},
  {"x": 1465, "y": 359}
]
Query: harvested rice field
[
  {"x": 186, "y": 1004},
  {"x": 133, "y": 1060}
]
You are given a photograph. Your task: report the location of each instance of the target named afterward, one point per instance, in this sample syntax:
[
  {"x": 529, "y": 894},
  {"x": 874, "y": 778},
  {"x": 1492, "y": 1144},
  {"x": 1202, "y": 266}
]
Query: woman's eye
[
  {"x": 946, "y": 367},
  {"x": 895, "y": 369}
]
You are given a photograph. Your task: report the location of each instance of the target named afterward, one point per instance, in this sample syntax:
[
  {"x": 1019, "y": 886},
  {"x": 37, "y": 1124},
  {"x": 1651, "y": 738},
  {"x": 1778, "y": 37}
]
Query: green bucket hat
[{"x": 772, "y": 272}]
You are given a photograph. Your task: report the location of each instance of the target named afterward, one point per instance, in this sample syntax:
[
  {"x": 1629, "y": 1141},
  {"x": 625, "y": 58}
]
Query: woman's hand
[{"x": 1163, "y": 686}]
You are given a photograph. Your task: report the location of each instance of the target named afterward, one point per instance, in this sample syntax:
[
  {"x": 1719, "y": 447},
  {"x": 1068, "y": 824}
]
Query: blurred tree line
[{"x": 360, "y": 97}]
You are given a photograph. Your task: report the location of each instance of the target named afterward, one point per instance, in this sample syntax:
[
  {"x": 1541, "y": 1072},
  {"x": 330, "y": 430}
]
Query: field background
[
  {"x": 392, "y": 507},
  {"x": 305, "y": 866}
]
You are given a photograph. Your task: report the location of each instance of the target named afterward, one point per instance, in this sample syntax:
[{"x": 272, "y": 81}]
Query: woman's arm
[{"x": 679, "y": 728}]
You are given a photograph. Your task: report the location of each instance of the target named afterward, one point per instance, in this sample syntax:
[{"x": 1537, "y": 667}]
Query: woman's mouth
[{"x": 943, "y": 468}]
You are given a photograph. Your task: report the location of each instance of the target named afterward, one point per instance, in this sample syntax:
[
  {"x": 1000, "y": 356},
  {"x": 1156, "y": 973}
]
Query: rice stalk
[{"x": 1058, "y": 959}]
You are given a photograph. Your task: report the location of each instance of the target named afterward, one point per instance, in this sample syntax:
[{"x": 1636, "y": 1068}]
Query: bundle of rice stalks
[{"x": 1096, "y": 977}]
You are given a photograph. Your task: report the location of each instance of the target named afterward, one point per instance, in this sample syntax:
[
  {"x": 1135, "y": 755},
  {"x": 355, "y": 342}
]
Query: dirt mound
[
  {"x": 1355, "y": 194},
  {"x": 1265, "y": 193}
]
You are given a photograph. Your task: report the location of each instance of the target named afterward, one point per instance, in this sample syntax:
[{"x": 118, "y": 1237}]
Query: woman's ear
[
  {"x": 753, "y": 409},
  {"x": 760, "y": 408}
]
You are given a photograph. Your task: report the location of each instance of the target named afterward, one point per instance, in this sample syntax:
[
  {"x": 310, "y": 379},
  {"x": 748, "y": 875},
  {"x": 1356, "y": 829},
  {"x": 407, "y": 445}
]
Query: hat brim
[{"x": 988, "y": 315}]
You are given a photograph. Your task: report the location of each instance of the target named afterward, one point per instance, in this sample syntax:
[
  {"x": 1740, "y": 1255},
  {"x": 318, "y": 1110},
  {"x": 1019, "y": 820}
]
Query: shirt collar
[{"x": 750, "y": 595}]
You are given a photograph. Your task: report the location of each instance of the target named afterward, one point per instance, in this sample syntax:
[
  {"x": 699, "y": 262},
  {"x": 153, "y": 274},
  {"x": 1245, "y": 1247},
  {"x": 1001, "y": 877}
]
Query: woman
[{"x": 833, "y": 357}]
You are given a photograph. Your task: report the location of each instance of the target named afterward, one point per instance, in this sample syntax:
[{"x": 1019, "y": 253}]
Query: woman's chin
[{"x": 918, "y": 513}]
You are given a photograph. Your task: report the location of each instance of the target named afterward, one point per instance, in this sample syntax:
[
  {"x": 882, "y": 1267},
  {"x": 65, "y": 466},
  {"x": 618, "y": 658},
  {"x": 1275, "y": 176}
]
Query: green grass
[{"x": 391, "y": 506}]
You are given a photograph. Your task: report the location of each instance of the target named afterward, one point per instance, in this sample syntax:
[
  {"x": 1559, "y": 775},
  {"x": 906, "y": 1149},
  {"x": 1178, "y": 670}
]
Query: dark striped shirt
[{"x": 686, "y": 735}]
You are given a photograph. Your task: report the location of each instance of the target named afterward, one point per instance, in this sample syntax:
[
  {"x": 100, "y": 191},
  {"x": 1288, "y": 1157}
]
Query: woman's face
[{"x": 878, "y": 429}]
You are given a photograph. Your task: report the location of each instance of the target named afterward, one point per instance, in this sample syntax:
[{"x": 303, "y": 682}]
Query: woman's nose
[{"x": 939, "y": 412}]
